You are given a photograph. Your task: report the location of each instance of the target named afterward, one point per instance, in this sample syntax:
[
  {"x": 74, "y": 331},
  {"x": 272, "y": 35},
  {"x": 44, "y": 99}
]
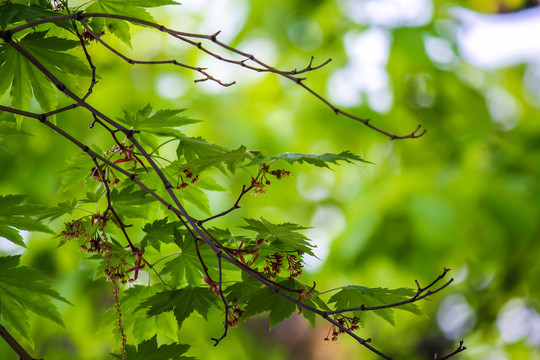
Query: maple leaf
[
  {"x": 15, "y": 215},
  {"x": 131, "y": 8},
  {"x": 136, "y": 322},
  {"x": 281, "y": 236},
  {"x": 159, "y": 231},
  {"x": 11, "y": 13},
  {"x": 131, "y": 202},
  {"x": 200, "y": 157},
  {"x": 187, "y": 265},
  {"x": 317, "y": 160},
  {"x": 148, "y": 350},
  {"x": 160, "y": 123},
  {"x": 181, "y": 302},
  {"x": 23, "y": 289},
  {"x": 26, "y": 80},
  {"x": 60, "y": 209},
  {"x": 355, "y": 296}
]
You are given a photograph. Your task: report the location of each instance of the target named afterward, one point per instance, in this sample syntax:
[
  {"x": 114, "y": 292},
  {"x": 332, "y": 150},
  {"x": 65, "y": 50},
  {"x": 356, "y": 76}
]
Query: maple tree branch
[
  {"x": 459, "y": 349},
  {"x": 23, "y": 355},
  {"x": 193, "y": 226},
  {"x": 225, "y": 303},
  {"x": 185, "y": 36},
  {"x": 421, "y": 293},
  {"x": 232, "y": 208}
]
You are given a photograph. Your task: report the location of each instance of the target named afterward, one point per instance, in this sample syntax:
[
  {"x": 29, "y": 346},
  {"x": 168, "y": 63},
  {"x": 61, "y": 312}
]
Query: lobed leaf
[
  {"x": 15, "y": 215},
  {"x": 23, "y": 289},
  {"x": 181, "y": 302},
  {"x": 317, "y": 160},
  {"x": 355, "y": 296},
  {"x": 149, "y": 350}
]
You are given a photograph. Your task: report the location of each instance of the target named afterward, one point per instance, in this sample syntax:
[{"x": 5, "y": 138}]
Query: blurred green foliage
[{"x": 465, "y": 196}]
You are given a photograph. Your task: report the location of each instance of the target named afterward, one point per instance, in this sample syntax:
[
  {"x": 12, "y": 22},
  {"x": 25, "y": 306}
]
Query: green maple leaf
[
  {"x": 12, "y": 13},
  {"x": 187, "y": 265},
  {"x": 355, "y": 296},
  {"x": 136, "y": 322},
  {"x": 60, "y": 209},
  {"x": 26, "y": 80},
  {"x": 266, "y": 300},
  {"x": 159, "y": 231},
  {"x": 23, "y": 289},
  {"x": 195, "y": 148},
  {"x": 181, "y": 302},
  {"x": 131, "y": 8},
  {"x": 77, "y": 168},
  {"x": 160, "y": 123},
  {"x": 317, "y": 160},
  {"x": 199, "y": 155},
  {"x": 131, "y": 201},
  {"x": 281, "y": 236},
  {"x": 148, "y": 350},
  {"x": 15, "y": 215}
]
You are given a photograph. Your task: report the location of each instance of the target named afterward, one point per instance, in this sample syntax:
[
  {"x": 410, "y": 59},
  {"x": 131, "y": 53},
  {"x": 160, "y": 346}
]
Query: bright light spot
[
  {"x": 455, "y": 316},
  {"x": 388, "y": 13},
  {"x": 517, "y": 321},
  {"x": 170, "y": 85},
  {"x": 229, "y": 15},
  {"x": 492, "y": 41},
  {"x": 321, "y": 239},
  {"x": 381, "y": 100},
  {"x": 503, "y": 108},
  {"x": 10, "y": 248},
  {"x": 439, "y": 50},
  {"x": 365, "y": 73},
  {"x": 461, "y": 274},
  {"x": 315, "y": 185},
  {"x": 341, "y": 90},
  {"x": 328, "y": 222},
  {"x": 531, "y": 80},
  {"x": 330, "y": 218}
]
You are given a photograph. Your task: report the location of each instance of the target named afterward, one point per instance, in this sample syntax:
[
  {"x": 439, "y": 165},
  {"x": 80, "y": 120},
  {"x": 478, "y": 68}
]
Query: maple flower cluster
[{"x": 350, "y": 323}]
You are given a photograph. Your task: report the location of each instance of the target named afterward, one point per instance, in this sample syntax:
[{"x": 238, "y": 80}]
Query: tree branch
[{"x": 23, "y": 355}]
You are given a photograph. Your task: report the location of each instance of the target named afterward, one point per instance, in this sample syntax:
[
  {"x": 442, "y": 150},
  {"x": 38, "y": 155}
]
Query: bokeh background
[{"x": 465, "y": 196}]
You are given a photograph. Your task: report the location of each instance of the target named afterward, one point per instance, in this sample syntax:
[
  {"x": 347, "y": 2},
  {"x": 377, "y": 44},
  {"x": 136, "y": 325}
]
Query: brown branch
[
  {"x": 225, "y": 303},
  {"x": 457, "y": 351},
  {"x": 234, "y": 207},
  {"x": 193, "y": 226},
  {"x": 184, "y": 36},
  {"x": 421, "y": 293},
  {"x": 23, "y": 355}
]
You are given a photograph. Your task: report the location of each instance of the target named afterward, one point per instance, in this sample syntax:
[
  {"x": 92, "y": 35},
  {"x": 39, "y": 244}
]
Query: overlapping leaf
[
  {"x": 149, "y": 350},
  {"x": 66, "y": 207},
  {"x": 355, "y": 296},
  {"x": 160, "y": 231},
  {"x": 15, "y": 215},
  {"x": 161, "y": 123},
  {"x": 136, "y": 322},
  {"x": 317, "y": 160},
  {"x": 187, "y": 265},
  {"x": 181, "y": 302},
  {"x": 26, "y": 80},
  {"x": 131, "y": 201},
  {"x": 285, "y": 236},
  {"x": 131, "y": 8},
  {"x": 12, "y": 13},
  {"x": 23, "y": 289}
]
